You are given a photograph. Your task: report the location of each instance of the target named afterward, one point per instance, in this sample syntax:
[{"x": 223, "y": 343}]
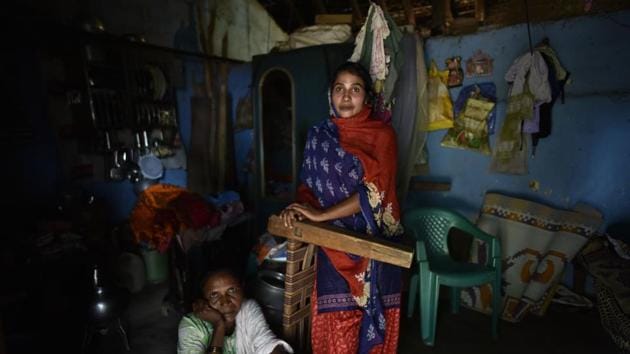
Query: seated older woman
[{"x": 224, "y": 322}]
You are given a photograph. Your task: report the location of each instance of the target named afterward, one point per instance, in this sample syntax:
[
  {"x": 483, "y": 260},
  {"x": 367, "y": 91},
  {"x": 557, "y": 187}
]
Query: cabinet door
[
  {"x": 278, "y": 135},
  {"x": 290, "y": 96}
]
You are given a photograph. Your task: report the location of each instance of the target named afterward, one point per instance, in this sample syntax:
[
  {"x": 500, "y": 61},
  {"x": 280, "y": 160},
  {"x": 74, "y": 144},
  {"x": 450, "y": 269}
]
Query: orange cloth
[
  {"x": 152, "y": 224},
  {"x": 164, "y": 210},
  {"x": 373, "y": 142}
]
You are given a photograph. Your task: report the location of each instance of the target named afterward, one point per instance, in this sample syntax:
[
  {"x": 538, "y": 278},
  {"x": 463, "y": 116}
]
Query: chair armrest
[
  {"x": 493, "y": 242},
  {"x": 421, "y": 252},
  {"x": 480, "y": 234}
]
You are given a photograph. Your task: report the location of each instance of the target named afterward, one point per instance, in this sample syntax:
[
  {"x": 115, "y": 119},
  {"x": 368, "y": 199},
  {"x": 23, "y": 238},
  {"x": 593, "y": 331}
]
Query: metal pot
[
  {"x": 268, "y": 291},
  {"x": 133, "y": 171},
  {"x": 106, "y": 304}
]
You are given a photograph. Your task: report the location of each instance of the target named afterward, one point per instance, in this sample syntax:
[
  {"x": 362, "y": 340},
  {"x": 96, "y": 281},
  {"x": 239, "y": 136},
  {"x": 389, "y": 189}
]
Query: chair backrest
[{"x": 432, "y": 225}]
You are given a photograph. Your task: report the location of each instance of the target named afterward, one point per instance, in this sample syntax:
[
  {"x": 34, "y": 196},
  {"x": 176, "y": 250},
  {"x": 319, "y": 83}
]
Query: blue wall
[
  {"x": 239, "y": 85},
  {"x": 587, "y": 156}
]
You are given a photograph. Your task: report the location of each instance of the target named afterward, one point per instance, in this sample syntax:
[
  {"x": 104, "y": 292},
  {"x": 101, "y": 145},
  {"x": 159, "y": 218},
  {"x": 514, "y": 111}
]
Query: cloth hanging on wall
[
  {"x": 528, "y": 77},
  {"x": 376, "y": 48},
  {"x": 407, "y": 114},
  {"x": 557, "y": 78},
  {"x": 510, "y": 151},
  {"x": 530, "y": 68},
  {"x": 421, "y": 160}
]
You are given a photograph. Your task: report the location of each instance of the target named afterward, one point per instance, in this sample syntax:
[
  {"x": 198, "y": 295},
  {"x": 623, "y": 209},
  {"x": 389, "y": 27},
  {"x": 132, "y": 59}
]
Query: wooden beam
[
  {"x": 424, "y": 186},
  {"x": 333, "y": 19},
  {"x": 319, "y": 7},
  {"x": 448, "y": 13},
  {"x": 294, "y": 10},
  {"x": 356, "y": 13},
  {"x": 409, "y": 13},
  {"x": 383, "y": 5},
  {"x": 442, "y": 16},
  {"x": 480, "y": 11},
  {"x": 325, "y": 235}
]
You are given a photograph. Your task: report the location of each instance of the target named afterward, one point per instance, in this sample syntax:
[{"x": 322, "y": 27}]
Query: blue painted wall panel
[
  {"x": 587, "y": 156},
  {"x": 239, "y": 86}
]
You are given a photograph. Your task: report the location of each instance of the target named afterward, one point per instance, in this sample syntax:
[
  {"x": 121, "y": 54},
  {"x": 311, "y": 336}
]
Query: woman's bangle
[{"x": 214, "y": 349}]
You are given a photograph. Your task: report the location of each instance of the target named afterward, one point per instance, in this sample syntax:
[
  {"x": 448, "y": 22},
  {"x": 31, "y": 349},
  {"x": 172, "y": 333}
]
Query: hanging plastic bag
[
  {"x": 440, "y": 104},
  {"x": 510, "y": 152},
  {"x": 487, "y": 90},
  {"x": 470, "y": 130}
]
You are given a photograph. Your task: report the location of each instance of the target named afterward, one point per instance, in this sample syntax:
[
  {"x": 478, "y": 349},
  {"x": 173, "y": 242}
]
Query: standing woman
[{"x": 348, "y": 178}]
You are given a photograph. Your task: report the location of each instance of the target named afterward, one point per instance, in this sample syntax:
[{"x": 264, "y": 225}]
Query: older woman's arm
[
  {"x": 254, "y": 333},
  {"x": 207, "y": 313}
]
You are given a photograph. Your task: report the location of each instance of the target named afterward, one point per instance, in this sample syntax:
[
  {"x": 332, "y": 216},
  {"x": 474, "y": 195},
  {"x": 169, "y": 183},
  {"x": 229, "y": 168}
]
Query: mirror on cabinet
[{"x": 278, "y": 140}]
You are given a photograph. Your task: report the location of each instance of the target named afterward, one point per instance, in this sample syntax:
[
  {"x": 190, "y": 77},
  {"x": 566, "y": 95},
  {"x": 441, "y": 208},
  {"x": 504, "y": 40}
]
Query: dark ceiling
[{"x": 293, "y": 14}]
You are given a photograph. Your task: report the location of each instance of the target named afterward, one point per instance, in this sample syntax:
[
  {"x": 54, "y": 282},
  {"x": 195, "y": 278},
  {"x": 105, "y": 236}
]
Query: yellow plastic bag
[{"x": 440, "y": 104}]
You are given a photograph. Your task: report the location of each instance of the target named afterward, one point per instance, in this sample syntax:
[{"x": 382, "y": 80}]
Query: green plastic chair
[{"x": 430, "y": 228}]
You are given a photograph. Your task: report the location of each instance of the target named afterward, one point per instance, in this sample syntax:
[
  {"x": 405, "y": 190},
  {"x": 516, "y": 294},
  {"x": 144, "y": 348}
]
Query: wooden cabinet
[{"x": 290, "y": 95}]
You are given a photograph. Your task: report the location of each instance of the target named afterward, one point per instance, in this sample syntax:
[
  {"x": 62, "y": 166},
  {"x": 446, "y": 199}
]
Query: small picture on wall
[
  {"x": 455, "y": 72},
  {"x": 480, "y": 64}
]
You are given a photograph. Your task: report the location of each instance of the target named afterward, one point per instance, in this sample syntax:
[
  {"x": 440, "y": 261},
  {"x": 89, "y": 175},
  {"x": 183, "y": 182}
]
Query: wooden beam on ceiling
[
  {"x": 382, "y": 4},
  {"x": 356, "y": 12},
  {"x": 293, "y": 11},
  {"x": 480, "y": 11},
  {"x": 319, "y": 7},
  {"x": 333, "y": 19},
  {"x": 409, "y": 13}
]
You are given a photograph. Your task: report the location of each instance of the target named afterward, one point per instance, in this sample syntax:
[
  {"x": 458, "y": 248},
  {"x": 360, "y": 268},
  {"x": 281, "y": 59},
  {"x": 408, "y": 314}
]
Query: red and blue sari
[{"x": 357, "y": 306}]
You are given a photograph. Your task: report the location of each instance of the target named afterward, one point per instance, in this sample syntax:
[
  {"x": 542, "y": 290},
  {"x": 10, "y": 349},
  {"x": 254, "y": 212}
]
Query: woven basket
[
  {"x": 298, "y": 286},
  {"x": 614, "y": 320}
]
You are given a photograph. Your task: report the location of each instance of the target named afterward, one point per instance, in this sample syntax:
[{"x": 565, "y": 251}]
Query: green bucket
[{"x": 156, "y": 265}]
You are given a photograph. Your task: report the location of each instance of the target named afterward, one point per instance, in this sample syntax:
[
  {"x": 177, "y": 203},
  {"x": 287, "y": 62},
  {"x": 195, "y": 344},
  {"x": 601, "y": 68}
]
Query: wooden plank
[
  {"x": 333, "y": 19},
  {"x": 344, "y": 240},
  {"x": 417, "y": 186},
  {"x": 409, "y": 14},
  {"x": 293, "y": 10},
  {"x": 480, "y": 11},
  {"x": 319, "y": 7},
  {"x": 382, "y": 4},
  {"x": 356, "y": 13}
]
